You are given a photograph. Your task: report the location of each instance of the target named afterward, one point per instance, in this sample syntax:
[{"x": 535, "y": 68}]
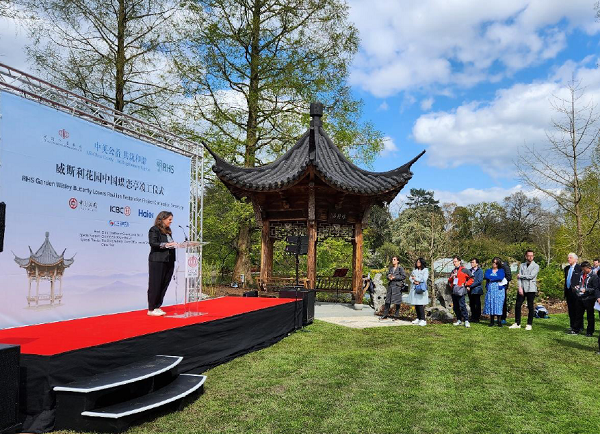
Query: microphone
[{"x": 184, "y": 234}]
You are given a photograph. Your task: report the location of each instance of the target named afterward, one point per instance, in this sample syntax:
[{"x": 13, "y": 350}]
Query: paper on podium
[{"x": 187, "y": 244}]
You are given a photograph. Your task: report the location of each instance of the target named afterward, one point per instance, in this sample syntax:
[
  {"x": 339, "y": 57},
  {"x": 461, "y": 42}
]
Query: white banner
[{"x": 79, "y": 202}]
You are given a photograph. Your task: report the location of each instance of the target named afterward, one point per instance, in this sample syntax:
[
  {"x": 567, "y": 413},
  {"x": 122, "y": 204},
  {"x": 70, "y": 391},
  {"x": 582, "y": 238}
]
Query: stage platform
[{"x": 59, "y": 353}]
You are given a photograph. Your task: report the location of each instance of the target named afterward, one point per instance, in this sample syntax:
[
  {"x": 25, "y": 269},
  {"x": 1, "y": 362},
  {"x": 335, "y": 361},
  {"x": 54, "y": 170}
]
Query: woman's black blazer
[{"x": 158, "y": 254}]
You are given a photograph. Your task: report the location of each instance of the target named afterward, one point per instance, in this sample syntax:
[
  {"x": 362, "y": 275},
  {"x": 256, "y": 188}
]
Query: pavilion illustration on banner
[{"x": 45, "y": 264}]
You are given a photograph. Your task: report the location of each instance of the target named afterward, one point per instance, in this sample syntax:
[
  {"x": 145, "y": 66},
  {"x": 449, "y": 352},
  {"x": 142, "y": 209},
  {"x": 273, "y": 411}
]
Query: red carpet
[{"x": 55, "y": 338}]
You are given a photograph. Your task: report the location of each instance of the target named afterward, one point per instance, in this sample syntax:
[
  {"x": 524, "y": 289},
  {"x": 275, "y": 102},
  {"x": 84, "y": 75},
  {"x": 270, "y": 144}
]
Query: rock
[
  {"x": 380, "y": 292},
  {"x": 439, "y": 313},
  {"x": 442, "y": 292}
]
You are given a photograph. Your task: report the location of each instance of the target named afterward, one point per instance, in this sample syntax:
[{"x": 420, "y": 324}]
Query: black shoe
[
  {"x": 499, "y": 324},
  {"x": 589, "y": 335},
  {"x": 491, "y": 324},
  {"x": 573, "y": 332},
  {"x": 383, "y": 317}
]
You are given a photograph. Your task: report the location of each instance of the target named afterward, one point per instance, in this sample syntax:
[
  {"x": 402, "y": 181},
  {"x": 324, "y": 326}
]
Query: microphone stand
[{"x": 184, "y": 234}]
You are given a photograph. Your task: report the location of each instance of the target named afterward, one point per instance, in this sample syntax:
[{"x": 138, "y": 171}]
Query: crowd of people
[{"x": 581, "y": 291}]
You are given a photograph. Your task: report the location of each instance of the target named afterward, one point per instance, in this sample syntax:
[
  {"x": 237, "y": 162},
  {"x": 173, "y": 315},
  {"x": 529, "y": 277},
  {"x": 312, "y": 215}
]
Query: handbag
[
  {"x": 459, "y": 290},
  {"x": 420, "y": 288}
]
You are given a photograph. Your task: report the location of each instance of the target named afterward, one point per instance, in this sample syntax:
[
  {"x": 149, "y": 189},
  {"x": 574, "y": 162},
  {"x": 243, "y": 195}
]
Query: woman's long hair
[
  {"x": 159, "y": 222},
  {"x": 423, "y": 264}
]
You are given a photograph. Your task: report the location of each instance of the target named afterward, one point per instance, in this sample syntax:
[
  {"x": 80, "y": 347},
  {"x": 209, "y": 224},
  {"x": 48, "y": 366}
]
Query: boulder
[
  {"x": 439, "y": 313},
  {"x": 442, "y": 292},
  {"x": 380, "y": 293}
]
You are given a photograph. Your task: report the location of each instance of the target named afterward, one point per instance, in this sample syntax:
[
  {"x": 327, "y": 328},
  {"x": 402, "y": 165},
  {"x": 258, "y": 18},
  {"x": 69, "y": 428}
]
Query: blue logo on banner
[
  {"x": 117, "y": 223},
  {"x": 161, "y": 166},
  {"x": 144, "y": 213}
]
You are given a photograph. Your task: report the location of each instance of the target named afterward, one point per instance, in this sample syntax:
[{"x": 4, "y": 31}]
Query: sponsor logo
[
  {"x": 161, "y": 166},
  {"x": 64, "y": 134},
  {"x": 118, "y": 224},
  {"x": 83, "y": 205},
  {"x": 192, "y": 261},
  {"x": 145, "y": 213},
  {"x": 120, "y": 210}
]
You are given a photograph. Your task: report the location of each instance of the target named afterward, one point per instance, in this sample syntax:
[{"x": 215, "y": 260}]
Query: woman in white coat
[{"x": 418, "y": 299}]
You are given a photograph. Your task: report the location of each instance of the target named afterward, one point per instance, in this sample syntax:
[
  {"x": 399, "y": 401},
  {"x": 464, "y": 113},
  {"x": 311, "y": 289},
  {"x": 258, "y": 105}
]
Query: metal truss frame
[{"x": 32, "y": 88}]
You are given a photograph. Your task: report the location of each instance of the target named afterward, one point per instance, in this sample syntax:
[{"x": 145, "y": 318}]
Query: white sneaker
[
  {"x": 416, "y": 321},
  {"x": 517, "y": 326},
  {"x": 467, "y": 324},
  {"x": 528, "y": 327},
  {"x": 154, "y": 313},
  {"x": 422, "y": 323},
  {"x": 459, "y": 322},
  {"x": 159, "y": 310}
]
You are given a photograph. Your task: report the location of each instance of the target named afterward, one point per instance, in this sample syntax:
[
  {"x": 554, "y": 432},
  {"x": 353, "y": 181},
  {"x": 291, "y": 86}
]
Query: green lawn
[{"x": 434, "y": 379}]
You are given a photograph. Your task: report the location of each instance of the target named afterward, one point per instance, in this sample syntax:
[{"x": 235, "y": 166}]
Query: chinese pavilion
[
  {"x": 314, "y": 190},
  {"x": 45, "y": 264}
]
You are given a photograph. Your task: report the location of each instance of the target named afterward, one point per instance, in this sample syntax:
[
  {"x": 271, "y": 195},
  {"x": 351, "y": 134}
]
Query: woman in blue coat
[
  {"x": 494, "y": 296},
  {"x": 475, "y": 290}
]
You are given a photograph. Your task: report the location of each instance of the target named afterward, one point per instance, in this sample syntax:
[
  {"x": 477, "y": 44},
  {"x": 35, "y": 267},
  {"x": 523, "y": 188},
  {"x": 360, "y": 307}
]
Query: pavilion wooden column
[
  {"x": 266, "y": 253},
  {"x": 357, "y": 260},
  {"x": 311, "y": 258}
]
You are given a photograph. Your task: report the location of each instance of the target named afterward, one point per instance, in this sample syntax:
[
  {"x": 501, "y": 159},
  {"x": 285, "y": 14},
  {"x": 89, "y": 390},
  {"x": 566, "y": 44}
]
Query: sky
[{"x": 470, "y": 82}]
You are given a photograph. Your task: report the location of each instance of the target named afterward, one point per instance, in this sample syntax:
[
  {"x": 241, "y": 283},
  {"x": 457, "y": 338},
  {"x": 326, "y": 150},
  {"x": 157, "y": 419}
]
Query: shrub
[{"x": 551, "y": 281}]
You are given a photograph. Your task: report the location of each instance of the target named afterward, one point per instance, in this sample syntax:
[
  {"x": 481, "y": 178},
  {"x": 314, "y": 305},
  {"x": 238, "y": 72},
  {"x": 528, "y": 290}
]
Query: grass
[{"x": 435, "y": 379}]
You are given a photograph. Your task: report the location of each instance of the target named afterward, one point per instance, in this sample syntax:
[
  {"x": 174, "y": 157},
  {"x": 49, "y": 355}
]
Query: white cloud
[
  {"x": 471, "y": 196},
  {"x": 13, "y": 39},
  {"x": 383, "y": 106},
  {"x": 490, "y": 134},
  {"x": 389, "y": 147},
  {"x": 427, "y": 103},
  {"x": 408, "y": 45}
]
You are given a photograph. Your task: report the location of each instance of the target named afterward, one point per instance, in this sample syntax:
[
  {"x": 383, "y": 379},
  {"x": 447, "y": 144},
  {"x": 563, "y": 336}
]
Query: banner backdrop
[{"x": 80, "y": 199}]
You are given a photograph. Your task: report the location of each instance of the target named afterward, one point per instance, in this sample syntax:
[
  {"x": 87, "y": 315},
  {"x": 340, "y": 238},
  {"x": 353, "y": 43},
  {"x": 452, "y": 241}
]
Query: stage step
[
  {"x": 112, "y": 401},
  {"x": 125, "y": 375},
  {"x": 182, "y": 386}
]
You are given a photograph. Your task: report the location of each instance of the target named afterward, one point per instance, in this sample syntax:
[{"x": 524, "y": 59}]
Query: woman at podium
[{"x": 161, "y": 261}]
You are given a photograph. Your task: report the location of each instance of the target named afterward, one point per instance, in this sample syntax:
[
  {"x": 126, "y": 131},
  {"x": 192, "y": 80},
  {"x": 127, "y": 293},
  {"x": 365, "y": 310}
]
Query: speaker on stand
[
  {"x": 9, "y": 392},
  {"x": 2, "y": 224}
]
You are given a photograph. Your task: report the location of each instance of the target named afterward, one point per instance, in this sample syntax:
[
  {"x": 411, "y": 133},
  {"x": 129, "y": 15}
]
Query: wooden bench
[{"x": 272, "y": 283}]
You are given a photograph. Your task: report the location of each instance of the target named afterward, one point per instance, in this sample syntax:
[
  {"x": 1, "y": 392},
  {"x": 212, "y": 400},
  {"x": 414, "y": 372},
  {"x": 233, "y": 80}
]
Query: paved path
[{"x": 346, "y": 315}]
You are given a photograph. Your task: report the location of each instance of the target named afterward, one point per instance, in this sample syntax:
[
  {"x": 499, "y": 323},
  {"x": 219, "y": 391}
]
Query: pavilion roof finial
[{"x": 316, "y": 109}]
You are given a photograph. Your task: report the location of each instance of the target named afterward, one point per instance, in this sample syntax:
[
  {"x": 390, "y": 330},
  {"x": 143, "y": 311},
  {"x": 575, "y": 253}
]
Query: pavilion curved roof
[
  {"x": 328, "y": 162},
  {"x": 45, "y": 255}
]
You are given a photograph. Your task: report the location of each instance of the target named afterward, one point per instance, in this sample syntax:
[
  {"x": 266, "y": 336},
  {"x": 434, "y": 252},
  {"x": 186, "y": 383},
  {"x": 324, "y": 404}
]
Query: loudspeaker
[
  {"x": 9, "y": 392},
  {"x": 2, "y": 224},
  {"x": 308, "y": 297}
]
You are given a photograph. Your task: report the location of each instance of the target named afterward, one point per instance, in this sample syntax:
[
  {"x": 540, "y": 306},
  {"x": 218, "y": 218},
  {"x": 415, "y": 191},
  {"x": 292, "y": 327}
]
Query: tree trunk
[{"x": 242, "y": 260}]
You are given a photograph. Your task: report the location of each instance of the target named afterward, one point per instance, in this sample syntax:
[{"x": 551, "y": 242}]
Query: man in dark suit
[
  {"x": 586, "y": 297},
  {"x": 572, "y": 276}
]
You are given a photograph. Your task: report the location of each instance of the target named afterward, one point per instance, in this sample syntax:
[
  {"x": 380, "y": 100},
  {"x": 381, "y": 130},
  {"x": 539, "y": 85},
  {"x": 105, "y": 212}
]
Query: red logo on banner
[
  {"x": 127, "y": 211},
  {"x": 73, "y": 203},
  {"x": 192, "y": 262},
  {"x": 64, "y": 134}
]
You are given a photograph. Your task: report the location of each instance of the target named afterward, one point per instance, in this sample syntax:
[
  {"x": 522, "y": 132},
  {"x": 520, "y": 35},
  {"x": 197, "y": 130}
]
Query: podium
[{"x": 192, "y": 278}]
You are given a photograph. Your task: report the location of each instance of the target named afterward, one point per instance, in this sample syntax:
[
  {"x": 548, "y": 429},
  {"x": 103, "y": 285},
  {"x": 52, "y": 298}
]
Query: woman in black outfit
[
  {"x": 161, "y": 261},
  {"x": 396, "y": 277}
]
